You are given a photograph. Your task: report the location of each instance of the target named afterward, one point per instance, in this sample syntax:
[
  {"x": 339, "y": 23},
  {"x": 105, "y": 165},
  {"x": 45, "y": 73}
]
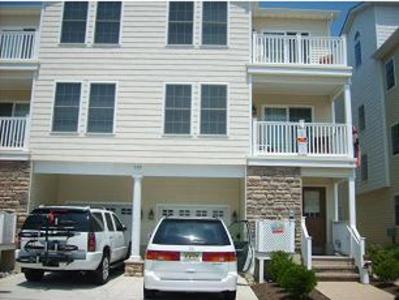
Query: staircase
[{"x": 335, "y": 268}]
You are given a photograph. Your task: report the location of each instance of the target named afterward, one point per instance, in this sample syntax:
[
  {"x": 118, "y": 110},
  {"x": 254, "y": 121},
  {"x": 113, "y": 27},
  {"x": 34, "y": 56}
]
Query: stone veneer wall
[
  {"x": 14, "y": 188},
  {"x": 272, "y": 192}
]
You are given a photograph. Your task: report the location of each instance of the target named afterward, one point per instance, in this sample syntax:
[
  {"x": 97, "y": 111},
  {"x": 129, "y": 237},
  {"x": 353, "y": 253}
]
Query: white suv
[
  {"x": 65, "y": 238},
  {"x": 190, "y": 255}
]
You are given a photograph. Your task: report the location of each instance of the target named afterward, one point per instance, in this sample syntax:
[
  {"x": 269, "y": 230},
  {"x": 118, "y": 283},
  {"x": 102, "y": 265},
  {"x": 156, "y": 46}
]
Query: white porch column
[
  {"x": 352, "y": 201},
  {"x": 136, "y": 217},
  {"x": 336, "y": 211},
  {"x": 348, "y": 118}
]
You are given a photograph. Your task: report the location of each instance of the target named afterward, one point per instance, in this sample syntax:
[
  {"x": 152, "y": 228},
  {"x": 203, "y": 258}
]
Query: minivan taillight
[
  {"x": 163, "y": 255},
  {"x": 219, "y": 256},
  {"x": 91, "y": 242}
]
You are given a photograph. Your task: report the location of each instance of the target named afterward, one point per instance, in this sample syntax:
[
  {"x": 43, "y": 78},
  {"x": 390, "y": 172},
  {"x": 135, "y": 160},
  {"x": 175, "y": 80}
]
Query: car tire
[
  {"x": 101, "y": 275},
  {"x": 148, "y": 294},
  {"x": 33, "y": 274},
  {"x": 229, "y": 295}
]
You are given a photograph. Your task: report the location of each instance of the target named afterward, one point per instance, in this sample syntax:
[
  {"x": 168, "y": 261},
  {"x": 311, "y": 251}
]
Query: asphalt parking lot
[{"x": 74, "y": 286}]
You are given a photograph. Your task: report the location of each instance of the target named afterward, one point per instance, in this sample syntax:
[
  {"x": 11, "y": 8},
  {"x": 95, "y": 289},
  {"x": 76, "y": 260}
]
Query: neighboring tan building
[
  {"x": 219, "y": 109},
  {"x": 372, "y": 34}
]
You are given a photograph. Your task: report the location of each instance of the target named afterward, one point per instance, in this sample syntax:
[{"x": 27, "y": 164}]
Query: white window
[
  {"x": 108, "y": 21},
  {"x": 214, "y": 23},
  {"x": 181, "y": 20},
  {"x": 390, "y": 74},
  {"x": 287, "y": 114},
  {"x": 74, "y": 22},
  {"x": 167, "y": 212},
  {"x": 101, "y": 108},
  {"x": 184, "y": 213},
  {"x": 217, "y": 213},
  {"x": 66, "y": 107},
  {"x": 213, "y": 109},
  {"x": 177, "y": 118},
  {"x": 358, "y": 50}
]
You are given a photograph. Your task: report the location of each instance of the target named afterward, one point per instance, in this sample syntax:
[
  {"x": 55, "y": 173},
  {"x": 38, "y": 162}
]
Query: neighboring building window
[
  {"x": 177, "y": 109},
  {"x": 213, "y": 109},
  {"x": 66, "y": 107},
  {"x": 397, "y": 210},
  {"x": 180, "y": 27},
  {"x": 214, "y": 23},
  {"x": 395, "y": 139},
  {"x": 108, "y": 22},
  {"x": 74, "y": 22},
  {"x": 101, "y": 108},
  {"x": 358, "y": 50},
  {"x": 390, "y": 74},
  {"x": 364, "y": 172},
  {"x": 362, "y": 117}
]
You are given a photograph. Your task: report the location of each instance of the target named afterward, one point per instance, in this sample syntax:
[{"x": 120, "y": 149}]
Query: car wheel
[
  {"x": 33, "y": 274},
  {"x": 148, "y": 294},
  {"x": 229, "y": 295},
  {"x": 101, "y": 275}
]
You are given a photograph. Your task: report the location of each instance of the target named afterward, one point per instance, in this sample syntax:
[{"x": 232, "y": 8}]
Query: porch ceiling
[{"x": 15, "y": 80}]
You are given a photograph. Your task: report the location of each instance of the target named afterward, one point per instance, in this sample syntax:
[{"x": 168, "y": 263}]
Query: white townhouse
[{"x": 154, "y": 109}]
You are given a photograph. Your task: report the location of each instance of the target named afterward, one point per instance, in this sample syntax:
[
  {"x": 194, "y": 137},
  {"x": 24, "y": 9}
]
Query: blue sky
[{"x": 343, "y": 7}]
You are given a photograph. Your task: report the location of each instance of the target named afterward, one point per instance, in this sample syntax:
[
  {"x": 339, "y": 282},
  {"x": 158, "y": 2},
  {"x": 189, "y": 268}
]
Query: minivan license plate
[{"x": 191, "y": 256}]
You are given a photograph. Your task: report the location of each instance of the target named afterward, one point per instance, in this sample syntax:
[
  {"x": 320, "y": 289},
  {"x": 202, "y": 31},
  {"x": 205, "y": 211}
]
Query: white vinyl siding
[
  {"x": 181, "y": 23},
  {"x": 101, "y": 108},
  {"x": 74, "y": 22},
  {"x": 108, "y": 20},
  {"x": 66, "y": 107}
]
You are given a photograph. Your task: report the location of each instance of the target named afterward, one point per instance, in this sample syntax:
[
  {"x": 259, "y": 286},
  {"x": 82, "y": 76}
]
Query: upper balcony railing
[
  {"x": 298, "y": 50},
  {"x": 13, "y": 133},
  {"x": 18, "y": 45}
]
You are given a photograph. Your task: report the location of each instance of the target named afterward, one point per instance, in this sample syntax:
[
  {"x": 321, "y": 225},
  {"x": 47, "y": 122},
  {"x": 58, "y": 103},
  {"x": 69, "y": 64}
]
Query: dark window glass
[
  {"x": 6, "y": 109},
  {"x": 397, "y": 210},
  {"x": 66, "y": 107},
  {"x": 395, "y": 138},
  {"x": 108, "y": 220},
  {"x": 213, "y": 109},
  {"x": 78, "y": 219},
  {"x": 101, "y": 108},
  {"x": 362, "y": 118},
  {"x": 97, "y": 222},
  {"x": 21, "y": 109},
  {"x": 390, "y": 74},
  {"x": 299, "y": 113},
  {"x": 177, "y": 109},
  {"x": 119, "y": 226},
  {"x": 180, "y": 27},
  {"x": 74, "y": 22},
  {"x": 364, "y": 171},
  {"x": 191, "y": 232},
  {"x": 108, "y": 22},
  {"x": 214, "y": 23},
  {"x": 358, "y": 54}
]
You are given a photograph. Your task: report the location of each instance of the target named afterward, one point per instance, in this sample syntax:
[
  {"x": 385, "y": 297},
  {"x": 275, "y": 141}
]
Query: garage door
[{"x": 214, "y": 211}]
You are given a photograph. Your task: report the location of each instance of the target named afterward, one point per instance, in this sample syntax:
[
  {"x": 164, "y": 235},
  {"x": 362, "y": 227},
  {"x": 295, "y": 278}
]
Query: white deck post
[
  {"x": 136, "y": 214},
  {"x": 336, "y": 213},
  {"x": 352, "y": 201},
  {"x": 348, "y": 118}
]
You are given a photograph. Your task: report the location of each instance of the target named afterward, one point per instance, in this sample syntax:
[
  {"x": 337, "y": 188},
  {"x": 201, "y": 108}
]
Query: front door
[{"x": 314, "y": 209}]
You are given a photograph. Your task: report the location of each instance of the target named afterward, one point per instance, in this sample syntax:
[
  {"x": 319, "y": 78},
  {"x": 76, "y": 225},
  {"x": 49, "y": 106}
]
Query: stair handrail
[
  {"x": 357, "y": 249},
  {"x": 306, "y": 245}
]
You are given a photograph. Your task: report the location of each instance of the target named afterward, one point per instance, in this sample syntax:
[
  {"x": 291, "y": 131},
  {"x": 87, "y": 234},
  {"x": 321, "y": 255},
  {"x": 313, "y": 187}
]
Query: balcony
[
  {"x": 13, "y": 136},
  {"x": 18, "y": 48}
]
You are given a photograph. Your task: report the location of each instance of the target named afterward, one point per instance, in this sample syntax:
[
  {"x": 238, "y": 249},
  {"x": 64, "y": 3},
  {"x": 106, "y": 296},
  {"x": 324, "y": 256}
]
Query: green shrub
[
  {"x": 298, "y": 281},
  {"x": 279, "y": 262},
  {"x": 385, "y": 262}
]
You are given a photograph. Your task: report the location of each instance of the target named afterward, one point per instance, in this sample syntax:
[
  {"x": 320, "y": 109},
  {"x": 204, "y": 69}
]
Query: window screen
[
  {"x": 390, "y": 74},
  {"x": 214, "y": 23},
  {"x": 101, "y": 108},
  {"x": 66, "y": 107},
  {"x": 180, "y": 28},
  {"x": 108, "y": 22},
  {"x": 74, "y": 22},
  {"x": 395, "y": 138},
  {"x": 177, "y": 109},
  {"x": 213, "y": 109},
  {"x": 276, "y": 114}
]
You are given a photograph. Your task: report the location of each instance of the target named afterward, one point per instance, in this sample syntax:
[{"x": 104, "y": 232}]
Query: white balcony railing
[
  {"x": 275, "y": 49},
  {"x": 291, "y": 138},
  {"x": 17, "y": 45},
  {"x": 13, "y": 133}
]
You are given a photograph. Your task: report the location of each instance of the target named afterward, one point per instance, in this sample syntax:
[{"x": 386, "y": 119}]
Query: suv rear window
[
  {"x": 191, "y": 232},
  {"x": 79, "y": 219}
]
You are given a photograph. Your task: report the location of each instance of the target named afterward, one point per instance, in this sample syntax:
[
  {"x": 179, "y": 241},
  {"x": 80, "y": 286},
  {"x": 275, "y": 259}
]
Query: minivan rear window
[
  {"x": 191, "y": 232},
  {"x": 78, "y": 219}
]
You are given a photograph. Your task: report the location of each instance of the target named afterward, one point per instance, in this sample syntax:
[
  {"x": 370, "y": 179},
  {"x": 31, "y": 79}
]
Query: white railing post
[
  {"x": 344, "y": 50},
  {"x": 27, "y": 133},
  {"x": 299, "y": 49},
  {"x": 348, "y": 119}
]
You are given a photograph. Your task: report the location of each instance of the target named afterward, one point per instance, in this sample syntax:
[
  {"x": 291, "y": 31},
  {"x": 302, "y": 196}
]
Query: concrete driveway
[{"x": 72, "y": 286}]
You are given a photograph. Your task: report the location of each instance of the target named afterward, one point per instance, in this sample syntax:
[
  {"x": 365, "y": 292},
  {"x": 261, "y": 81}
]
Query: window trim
[
  {"x": 87, "y": 133},
  {"x": 287, "y": 108},
  {"x": 167, "y": 29},
  {"x": 227, "y": 134},
  {"x": 165, "y": 84},
  {"x": 119, "y": 43},
  {"x": 86, "y": 30},
  {"x": 51, "y": 131},
  {"x": 227, "y": 29},
  {"x": 390, "y": 134},
  {"x": 394, "y": 74}
]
